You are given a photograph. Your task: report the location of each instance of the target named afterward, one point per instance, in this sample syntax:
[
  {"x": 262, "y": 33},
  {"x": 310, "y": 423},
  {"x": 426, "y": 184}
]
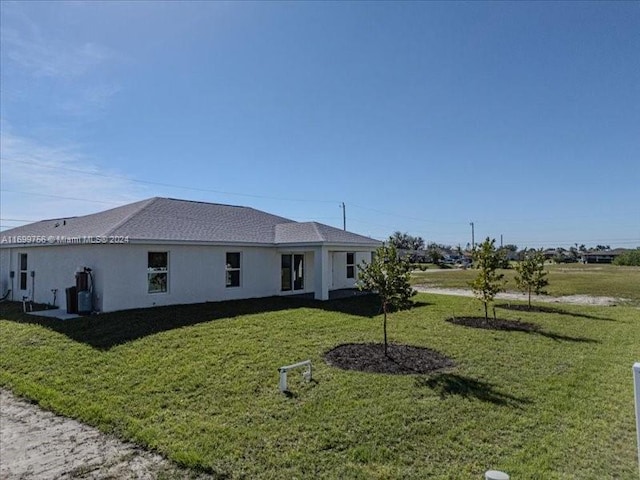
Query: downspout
[{"x": 12, "y": 273}]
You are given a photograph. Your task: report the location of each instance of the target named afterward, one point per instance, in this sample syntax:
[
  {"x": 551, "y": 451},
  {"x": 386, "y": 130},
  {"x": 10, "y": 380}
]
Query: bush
[{"x": 629, "y": 259}]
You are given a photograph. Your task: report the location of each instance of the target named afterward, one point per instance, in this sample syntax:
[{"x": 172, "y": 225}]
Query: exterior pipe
[{"x": 307, "y": 374}]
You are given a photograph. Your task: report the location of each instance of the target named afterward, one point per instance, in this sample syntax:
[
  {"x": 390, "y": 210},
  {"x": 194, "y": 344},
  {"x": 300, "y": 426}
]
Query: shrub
[{"x": 629, "y": 259}]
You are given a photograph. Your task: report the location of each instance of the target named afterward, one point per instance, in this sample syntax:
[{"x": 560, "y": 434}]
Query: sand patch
[{"x": 37, "y": 444}]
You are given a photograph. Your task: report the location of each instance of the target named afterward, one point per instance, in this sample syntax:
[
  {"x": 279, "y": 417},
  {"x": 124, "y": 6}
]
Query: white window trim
[
  {"x": 20, "y": 272},
  {"x": 158, "y": 270},
  {"x": 351, "y": 265},
  {"x": 227, "y": 269}
]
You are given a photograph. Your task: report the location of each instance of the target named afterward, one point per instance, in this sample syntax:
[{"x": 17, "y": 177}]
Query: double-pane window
[
  {"x": 157, "y": 271},
  {"x": 23, "y": 271},
  {"x": 351, "y": 265},
  {"x": 233, "y": 269}
]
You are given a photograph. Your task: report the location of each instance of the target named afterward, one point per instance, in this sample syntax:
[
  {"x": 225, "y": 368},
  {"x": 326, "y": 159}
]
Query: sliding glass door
[{"x": 292, "y": 272}]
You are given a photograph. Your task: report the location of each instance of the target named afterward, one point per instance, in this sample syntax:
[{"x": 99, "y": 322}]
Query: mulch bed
[
  {"x": 495, "y": 324},
  {"x": 400, "y": 359}
]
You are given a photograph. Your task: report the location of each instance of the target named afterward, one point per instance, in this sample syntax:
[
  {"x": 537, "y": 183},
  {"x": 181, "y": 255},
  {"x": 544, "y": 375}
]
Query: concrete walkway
[
  {"x": 569, "y": 299},
  {"x": 56, "y": 313}
]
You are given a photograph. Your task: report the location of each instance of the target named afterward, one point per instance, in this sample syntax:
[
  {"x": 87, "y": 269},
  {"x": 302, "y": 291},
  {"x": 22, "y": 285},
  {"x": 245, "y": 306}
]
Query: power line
[
  {"x": 168, "y": 185},
  {"x": 58, "y": 196},
  {"x": 404, "y": 216},
  {"x": 342, "y": 204}
]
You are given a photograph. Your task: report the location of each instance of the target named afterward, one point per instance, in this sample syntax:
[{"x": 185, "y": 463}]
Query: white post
[
  {"x": 636, "y": 382},
  {"x": 283, "y": 380},
  {"x": 322, "y": 273}
]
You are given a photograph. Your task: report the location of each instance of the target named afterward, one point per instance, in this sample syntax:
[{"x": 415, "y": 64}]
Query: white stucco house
[{"x": 163, "y": 251}]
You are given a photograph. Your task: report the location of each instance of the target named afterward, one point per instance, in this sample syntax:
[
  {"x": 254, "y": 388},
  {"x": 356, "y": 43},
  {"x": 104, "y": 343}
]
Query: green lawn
[
  {"x": 565, "y": 279},
  {"x": 199, "y": 384}
]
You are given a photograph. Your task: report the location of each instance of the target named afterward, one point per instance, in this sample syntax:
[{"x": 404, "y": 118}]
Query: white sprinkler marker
[
  {"x": 636, "y": 382},
  {"x": 495, "y": 475},
  {"x": 283, "y": 373}
]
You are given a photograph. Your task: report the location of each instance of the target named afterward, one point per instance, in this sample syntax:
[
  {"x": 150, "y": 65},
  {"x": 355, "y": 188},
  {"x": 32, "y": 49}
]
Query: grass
[
  {"x": 565, "y": 279},
  {"x": 199, "y": 385}
]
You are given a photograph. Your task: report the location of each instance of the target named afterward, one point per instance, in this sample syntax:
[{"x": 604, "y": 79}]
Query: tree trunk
[
  {"x": 384, "y": 327},
  {"x": 529, "y": 298},
  {"x": 486, "y": 312}
]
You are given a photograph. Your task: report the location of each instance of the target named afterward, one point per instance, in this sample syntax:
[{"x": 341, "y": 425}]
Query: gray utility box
[{"x": 85, "y": 305}]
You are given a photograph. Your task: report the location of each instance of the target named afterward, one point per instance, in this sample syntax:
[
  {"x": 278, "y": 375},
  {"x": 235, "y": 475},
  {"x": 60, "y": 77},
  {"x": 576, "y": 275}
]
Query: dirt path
[
  {"x": 570, "y": 299},
  {"x": 36, "y": 444}
]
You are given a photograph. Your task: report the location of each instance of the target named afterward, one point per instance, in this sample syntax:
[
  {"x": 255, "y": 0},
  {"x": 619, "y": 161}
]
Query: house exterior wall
[
  {"x": 196, "y": 273},
  {"x": 604, "y": 258},
  {"x": 54, "y": 268},
  {"x": 339, "y": 274},
  {"x": 6, "y": 282}
]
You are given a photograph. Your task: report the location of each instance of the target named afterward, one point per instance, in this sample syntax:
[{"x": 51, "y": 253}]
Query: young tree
[
  {"x": 488, "y": 282},
  {"x": 388, "y": 275},
  {"x": 433, "y": 252},
  {"x": 531, "y": 275},
  {"x": 506, "y": 253}
]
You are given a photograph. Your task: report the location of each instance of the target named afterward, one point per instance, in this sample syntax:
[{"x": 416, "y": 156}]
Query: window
[
  {"x": 298, "y": 272},
  {"x": 233, "y": 269},
  {"x": 157, "y": 271},
  {"x": 351, "y": 265},
  {"x": 285, "y": 271},
  {"x": 292, "y": 272},
  {"x": 23, "y": 271}
]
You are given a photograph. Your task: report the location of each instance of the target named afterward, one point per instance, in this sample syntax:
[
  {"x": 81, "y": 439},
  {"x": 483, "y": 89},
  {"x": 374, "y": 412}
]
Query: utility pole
[
  {"x": 473, "y": 238},
  {"x": 500, "y": 240},
  {"x": 344, "y": 216}
]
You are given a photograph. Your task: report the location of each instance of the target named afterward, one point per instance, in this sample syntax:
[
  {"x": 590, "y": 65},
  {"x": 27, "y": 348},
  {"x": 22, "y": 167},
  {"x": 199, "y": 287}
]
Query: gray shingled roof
[
  {"x": 313, "y": 232},
  {"x": 167, "y": 219}
]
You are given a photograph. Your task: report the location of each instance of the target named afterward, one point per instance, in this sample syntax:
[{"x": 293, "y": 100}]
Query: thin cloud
[
  {"x": 34, "y": 181},
  {"x": 84, "y": 68},
  {"x": 88, "y": 101},
  {"x": 44, "y": 58}
]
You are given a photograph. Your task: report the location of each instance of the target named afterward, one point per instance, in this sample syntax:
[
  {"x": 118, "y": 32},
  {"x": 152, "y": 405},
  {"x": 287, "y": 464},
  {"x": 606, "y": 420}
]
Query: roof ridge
[
  {"x": 204, "y": 202},
  {"x": 315, "y": 227},
  {"x": 145, "y": 204}
]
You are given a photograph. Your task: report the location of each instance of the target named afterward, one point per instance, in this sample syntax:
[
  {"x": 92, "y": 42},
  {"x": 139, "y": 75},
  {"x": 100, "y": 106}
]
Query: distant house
[
  {"x": 415, "y": 256},
  {"x": 602, "y": 256},
  {"x": 550, "y": 253},
  {"x": 164, "y": 251}
]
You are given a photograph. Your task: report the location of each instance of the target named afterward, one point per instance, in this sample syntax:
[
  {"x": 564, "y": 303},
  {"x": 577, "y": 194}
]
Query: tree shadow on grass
[
  {"x": 447, "y": 384},
  {"x": 553, "y": 310},
  {"x": 107, "y": 330},
  {"x": 514, "y": 326},
  {"x": 362, "y": 304}
]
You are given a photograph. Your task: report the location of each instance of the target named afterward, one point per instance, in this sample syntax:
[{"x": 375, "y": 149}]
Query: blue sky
[{"x": 523, "y": 118}]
